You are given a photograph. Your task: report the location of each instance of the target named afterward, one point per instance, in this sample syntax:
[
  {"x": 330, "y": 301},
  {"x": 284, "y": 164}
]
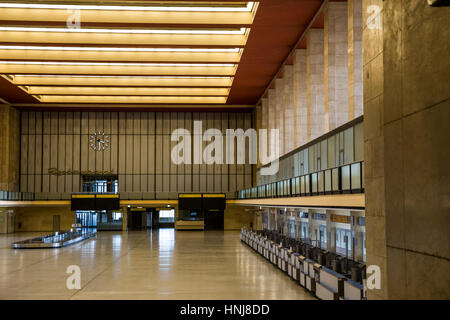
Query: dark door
[
  {"x": 56, "y": 223},
  {"x": 134, "y": 220},
  {"x": 214, "y": 220}
]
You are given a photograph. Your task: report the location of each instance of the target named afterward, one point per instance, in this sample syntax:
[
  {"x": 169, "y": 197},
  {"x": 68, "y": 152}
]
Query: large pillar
[
  {"x": 331, "y": 232},
  {"x": 300, "y": 98},
  {"x": 357, "y": 236},
  {"x": 374, "y": 147},
  {"x": 257, "y": 126},
  {"x": 288, "y": 108},
  {"x": 271, "y": 117},
  {"x": 279, "y": 115},
  {"x": 407, "y": 147},
  {"x": 355, "y": 59},
  {"x": 265, "y": 115},
  {"x": 124, "y": 218},
  {"x": 335, "y": 64},
  {"x": 9, "y": 148},
  {"x": 315, "y": 72}
]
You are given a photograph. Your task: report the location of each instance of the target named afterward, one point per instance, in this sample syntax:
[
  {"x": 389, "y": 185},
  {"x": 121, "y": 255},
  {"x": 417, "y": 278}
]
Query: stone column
[
  {"x": 358, "y": 235},
  {"x": 257, "y": 126},
  {"x": 355, "y": 59},
  {"x": 331, "y": 232},
  {"x": 300, "y": 98},
  {"x": 374, "y": 144},
  {"x": 265, "y": 118},
  {"x": 315, "y": 78},
  {"x": 407, "y": 147},
  {"x": 257, "y": 120},
  {"x": 271, "y": 117},
  {"x": 279, "y": 115},
  {"x": 9, "y": 148},
  {"x": 288, "y": 108},
  {"x": 335, "y": 64},
  {"x": 124, "y": 218}
]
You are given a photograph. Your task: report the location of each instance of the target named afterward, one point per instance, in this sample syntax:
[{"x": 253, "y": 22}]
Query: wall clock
[{"x": 99, "y": 141}]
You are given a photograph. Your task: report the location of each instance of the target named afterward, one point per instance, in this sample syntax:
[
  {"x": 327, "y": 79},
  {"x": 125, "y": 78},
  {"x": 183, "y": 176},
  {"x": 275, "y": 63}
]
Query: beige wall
[
  {"x": 407, "y": 147},
  {"x": 9, "y": 148},
  {"x": 41, "y": 218},
  {"x": 139, "y": 152},
  {"x": 235, "y": 217},
  {"x": 7, "y": 216}
]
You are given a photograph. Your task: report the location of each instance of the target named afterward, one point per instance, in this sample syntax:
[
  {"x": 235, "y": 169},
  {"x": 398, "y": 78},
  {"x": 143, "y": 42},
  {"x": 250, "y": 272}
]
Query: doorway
[
  {"x": 56, "y": 223},
  {"x": 167, "y": 218},
  {"x": 214, "y": 219},
  {"x": 87, "y": 219}
]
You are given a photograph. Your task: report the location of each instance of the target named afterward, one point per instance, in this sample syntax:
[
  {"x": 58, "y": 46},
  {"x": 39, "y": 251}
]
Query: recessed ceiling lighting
[
  {"x": 122, "y": 77},
  {"x": 126, "y": 91},
  {"x": 131, "y": 99},
  {"x": 50, "y": 48},
  {"x": 127, "y": 31},
  {"x": 247, "y": 8},
  {"x": 59, "y": 63}
]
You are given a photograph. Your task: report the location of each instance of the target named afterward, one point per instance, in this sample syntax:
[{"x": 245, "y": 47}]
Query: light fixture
[
  {"x": 126, "y": 91},
  {"x": 52, "y": 48},
  {"x": 118, "y": 69},
  {"x": 247, "y": 8},
  {"x": 118, "y": 64},
  {"x": 240, "y": 31},
  {"x": 132, "y": 99},
  {"x": 120, "y": 81}
]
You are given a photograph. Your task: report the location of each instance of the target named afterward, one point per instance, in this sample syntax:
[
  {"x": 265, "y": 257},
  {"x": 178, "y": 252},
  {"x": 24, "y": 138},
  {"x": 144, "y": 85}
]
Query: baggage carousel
[{"x": 55, "y": 240}]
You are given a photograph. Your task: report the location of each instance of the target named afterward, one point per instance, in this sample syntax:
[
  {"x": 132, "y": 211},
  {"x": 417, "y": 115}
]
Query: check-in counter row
[{"x": 322, "y": 282}]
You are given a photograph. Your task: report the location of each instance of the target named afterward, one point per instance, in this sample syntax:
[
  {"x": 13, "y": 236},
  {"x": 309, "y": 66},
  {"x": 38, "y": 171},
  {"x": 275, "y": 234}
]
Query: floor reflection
[{"x": 150, "y": 264}]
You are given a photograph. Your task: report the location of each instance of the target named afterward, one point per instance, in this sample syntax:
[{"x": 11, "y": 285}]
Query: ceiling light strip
[
  {"x": 110, "y": 49},
  {"x": 130, "y": 99},
  {"x": 117, "y": 64},
  {"x": 241, "y": 31},
  {"x": 247, "y": 8},
  {"x": 120, "y": 81},
  {"x": 126, "y": 91},
  {"x": 122, "y": 77}
]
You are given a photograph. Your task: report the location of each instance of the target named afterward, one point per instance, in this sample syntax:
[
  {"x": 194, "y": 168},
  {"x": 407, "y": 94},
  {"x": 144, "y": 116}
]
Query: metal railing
[
  {"x": 16, "y": 196},
  {"x": 344, "y": 179}
]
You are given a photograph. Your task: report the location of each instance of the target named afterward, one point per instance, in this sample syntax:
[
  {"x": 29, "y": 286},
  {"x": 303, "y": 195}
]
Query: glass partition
[
  {"x": 356, "y": 176},
  {"x": 345, "y": 176}
]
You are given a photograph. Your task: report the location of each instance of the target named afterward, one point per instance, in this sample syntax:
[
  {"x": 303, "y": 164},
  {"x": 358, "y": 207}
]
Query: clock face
[{"x": 99, "y": 141}]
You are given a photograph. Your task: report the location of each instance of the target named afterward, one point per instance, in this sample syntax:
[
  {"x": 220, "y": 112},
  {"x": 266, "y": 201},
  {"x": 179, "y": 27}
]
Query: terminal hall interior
[{"x": 267, "y": 150}]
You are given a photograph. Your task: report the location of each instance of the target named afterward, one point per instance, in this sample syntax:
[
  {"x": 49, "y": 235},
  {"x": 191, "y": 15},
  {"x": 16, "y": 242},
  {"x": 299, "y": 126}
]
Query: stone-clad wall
[
  {"x": 139, "y": 152},
  {"x": 9, "y": 148},
  {"x": 407, "y": 147}
]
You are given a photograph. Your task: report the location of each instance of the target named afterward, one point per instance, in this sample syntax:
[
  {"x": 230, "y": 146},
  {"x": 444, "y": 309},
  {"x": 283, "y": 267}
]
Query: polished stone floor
[{"x": 162, "y": 264}]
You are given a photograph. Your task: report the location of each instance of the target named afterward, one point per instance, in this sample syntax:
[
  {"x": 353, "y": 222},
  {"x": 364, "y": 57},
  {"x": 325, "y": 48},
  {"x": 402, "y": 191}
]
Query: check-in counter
[
  {"x": 294, "y": 270},
  {"x": 353, "y": 290},
  {"x": 267, "y": 248},
  {"x": 331, "y": 285},
  {"x": 310, "y": 284},
  {"x": 309, "y": 267},
  {"x": 324, "y": 293},
  {"x": 261, "y": 245},
  {"x": 279, "y": 253},
  {"x": 284, "y": 259},
  {"x": 323, "y": 282},
  {"x": 302, "y": 279},
  {"x": 273, "y": 250}
]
